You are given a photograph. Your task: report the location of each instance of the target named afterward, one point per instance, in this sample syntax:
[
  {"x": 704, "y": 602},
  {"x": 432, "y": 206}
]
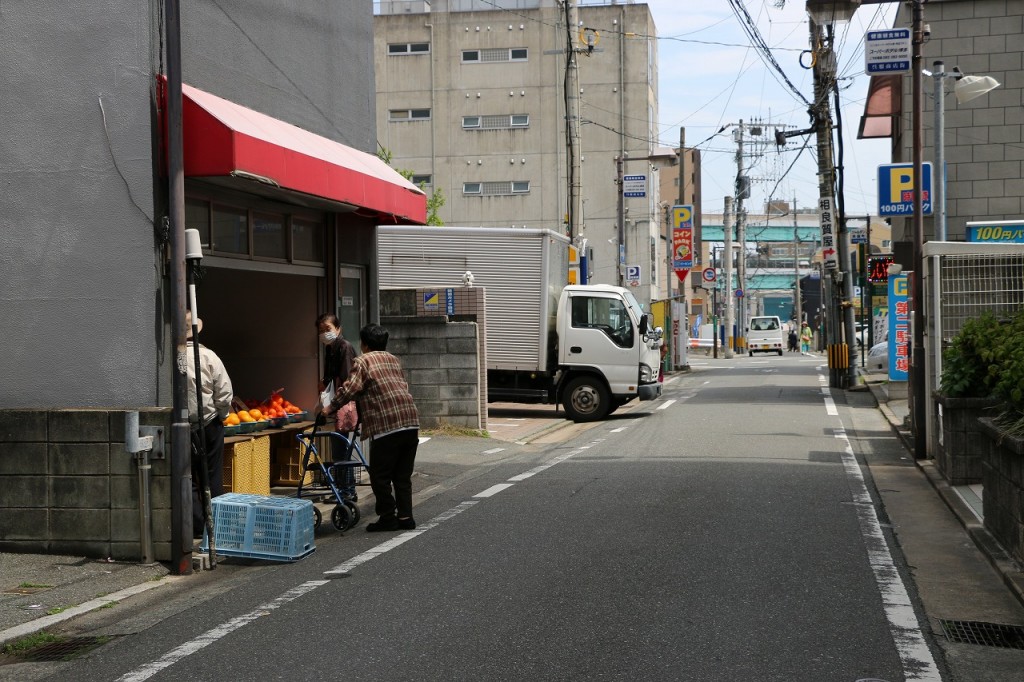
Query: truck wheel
[{"x": 586, "y": 399}]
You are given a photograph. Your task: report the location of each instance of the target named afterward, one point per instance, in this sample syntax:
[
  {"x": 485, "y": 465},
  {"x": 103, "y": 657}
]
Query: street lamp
[
  {"x": 965, "y": 89},
  {"x": 831, "y": 11}
]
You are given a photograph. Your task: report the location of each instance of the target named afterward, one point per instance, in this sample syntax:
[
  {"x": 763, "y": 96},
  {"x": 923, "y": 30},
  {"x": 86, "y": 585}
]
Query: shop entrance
[{"x": 351, "y": 303}]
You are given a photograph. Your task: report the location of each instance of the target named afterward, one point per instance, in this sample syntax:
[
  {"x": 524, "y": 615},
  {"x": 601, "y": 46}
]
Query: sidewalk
[
  {"x": 39, "y": 591},
  {"x": 963, "y": 501}
]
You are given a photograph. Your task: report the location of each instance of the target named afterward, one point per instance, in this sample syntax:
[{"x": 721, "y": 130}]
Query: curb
[
  {"x": 998, "y": 558},
  {"x": 34, "y": 626}
]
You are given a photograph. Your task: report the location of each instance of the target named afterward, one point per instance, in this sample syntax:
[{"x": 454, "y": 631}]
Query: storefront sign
[
  {"x": 887, "y": 51},
  {"x": 1005, "y": 231},
  {"x": 899, "y": 327},
  {"x": 829, "y": 254},
  {"x": 878, "y": 269},
  {"x": 431, "y": 301},
  {"x": 682, "y": 240},
  {"x": 896, "y": 189},
  {"x": 634, "y": 185}
]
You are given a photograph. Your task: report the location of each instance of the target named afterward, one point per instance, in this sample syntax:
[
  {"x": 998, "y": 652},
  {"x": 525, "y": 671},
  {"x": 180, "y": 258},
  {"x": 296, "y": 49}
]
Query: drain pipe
[{"x": 141, "y": 446}]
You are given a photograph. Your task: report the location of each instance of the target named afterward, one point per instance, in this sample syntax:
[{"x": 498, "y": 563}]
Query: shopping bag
[{"x": 326, "y": 396}]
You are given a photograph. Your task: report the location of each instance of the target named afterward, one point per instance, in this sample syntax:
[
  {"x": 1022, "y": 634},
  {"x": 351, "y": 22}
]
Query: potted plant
[{"x": 963, "y": 397}]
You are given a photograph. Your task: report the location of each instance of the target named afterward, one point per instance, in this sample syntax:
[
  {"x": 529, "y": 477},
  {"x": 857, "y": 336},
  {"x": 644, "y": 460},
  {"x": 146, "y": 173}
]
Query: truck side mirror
[{"x": 645, "y": 323}]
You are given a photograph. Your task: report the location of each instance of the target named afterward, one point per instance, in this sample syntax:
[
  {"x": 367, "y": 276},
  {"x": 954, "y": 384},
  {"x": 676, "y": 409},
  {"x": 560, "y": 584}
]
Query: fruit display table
[{"x": 253, "y": 460}]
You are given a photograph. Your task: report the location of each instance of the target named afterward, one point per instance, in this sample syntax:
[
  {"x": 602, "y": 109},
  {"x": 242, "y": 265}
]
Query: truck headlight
[{"x": 646, "y": 373}]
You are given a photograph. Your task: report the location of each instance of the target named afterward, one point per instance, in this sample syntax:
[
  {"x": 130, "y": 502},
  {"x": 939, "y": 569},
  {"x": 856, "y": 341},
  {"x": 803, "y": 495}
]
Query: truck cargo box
[{"x": 522, "y": 270}]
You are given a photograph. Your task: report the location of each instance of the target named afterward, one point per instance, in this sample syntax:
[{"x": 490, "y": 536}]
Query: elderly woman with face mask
[{"x": 338, "y": 357}]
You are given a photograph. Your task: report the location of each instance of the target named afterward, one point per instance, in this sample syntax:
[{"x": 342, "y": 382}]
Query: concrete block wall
[
  {"x": 455, "y": 304},
  {"x": 1004, "y": 488},
  {"x": 442, "y": 367},
  {"x": 67, "y": 486}
]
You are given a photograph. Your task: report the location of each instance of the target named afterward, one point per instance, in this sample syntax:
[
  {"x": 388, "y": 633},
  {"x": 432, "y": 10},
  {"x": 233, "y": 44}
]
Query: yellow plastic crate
[{"x": 247, "y": 466}]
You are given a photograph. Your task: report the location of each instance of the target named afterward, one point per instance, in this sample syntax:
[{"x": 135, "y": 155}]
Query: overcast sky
[{"x": 709, "y": 76}]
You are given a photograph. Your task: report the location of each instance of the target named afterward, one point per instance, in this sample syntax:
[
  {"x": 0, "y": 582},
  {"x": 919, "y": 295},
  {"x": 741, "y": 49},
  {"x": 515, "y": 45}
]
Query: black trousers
[
  {"x": 213, "y": 440},
  {"x": 391, "y": 463}
]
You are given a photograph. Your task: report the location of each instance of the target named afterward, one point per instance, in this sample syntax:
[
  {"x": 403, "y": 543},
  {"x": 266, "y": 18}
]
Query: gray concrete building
[
  {"x": 471, "y": 99},
  {"x": 281, "y": 180},
  {"x": 983, "y": 144}
]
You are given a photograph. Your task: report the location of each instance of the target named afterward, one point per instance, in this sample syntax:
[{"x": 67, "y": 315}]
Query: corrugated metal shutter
[{"x": 508, "y": 266}]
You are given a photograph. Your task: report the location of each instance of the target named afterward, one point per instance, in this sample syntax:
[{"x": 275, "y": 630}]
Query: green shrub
[
  {"x": 967, "y": 360},
  {"x": 986, "y": 359}
]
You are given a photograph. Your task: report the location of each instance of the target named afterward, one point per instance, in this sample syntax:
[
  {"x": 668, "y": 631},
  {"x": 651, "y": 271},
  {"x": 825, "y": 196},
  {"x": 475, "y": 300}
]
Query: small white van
[{"x": 765, "y": 335}]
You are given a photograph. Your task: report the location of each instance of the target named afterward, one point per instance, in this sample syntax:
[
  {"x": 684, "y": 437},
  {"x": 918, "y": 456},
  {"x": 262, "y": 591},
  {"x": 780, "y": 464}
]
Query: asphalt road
[{"x": 724, "y": 532}]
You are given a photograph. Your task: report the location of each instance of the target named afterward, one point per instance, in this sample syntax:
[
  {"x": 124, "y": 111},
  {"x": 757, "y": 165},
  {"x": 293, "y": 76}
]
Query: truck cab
[{"x": 608, "y": 351}]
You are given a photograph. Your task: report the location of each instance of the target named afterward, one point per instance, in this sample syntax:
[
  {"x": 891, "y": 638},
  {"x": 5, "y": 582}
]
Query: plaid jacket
[{"x": 378, "y": 386}]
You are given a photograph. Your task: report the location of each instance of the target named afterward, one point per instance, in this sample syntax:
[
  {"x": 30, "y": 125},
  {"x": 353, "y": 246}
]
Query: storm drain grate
[
  {"x": 64, "y": 650},
  {"x": 984, "y": 634}
]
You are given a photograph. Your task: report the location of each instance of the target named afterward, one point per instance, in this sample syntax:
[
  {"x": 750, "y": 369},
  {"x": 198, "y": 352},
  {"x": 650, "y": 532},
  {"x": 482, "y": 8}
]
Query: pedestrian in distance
[
  {"x": 338, "y": 357},
  {"x": 793, "y": 340},
  {"x": 217, "y": 397},
  {"x": 390, "y": 424},
  {"x": 806, "y": 337}
]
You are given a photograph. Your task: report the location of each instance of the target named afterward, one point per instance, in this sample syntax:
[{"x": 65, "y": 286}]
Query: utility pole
[
  {"x": 684, "y": 324},
  {"x": 823, "y": 65},
  {"x": 727, "y": 255},
  {"x": 917, "y": 356},
  {"x": 742, "y": 192},
  {"x": 798, "y": 304},
  {"x": 620, "y": 215},
  {"x": 572, "y": 125},
  {"x": 181, "y": 441}
]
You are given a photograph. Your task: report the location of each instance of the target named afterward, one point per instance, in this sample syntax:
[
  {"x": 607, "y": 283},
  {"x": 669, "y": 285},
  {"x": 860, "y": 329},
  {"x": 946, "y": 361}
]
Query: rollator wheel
[
  {"x": 341, "y": 517},
  {"x": 354, "y": 511},
  {"x": 317, "y": 517}
]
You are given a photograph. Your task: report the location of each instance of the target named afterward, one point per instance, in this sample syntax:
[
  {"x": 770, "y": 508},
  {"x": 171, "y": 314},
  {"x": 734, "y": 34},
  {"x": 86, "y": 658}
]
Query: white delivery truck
[{"x": 590, "y": 348}]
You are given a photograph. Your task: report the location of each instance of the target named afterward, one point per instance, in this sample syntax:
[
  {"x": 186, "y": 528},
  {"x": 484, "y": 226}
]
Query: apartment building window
[
  {"x": 495, "y": 54},
  {"x": 496, "y": 121},
  {"x": 496, "y": 189},
  {"x": 408, "y": 48},
  {"x": 409, "y": 115}
]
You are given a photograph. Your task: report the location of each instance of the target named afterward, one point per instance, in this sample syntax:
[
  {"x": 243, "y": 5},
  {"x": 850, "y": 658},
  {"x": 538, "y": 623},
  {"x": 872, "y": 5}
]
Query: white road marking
[
  {"x": 666, "y": 404},
  {"x": 618, "y": 430},
  {"x": 918, "y": 664},
  {"x": 424, "y": 439},
  {"x": 210, "y": 636},
  {"x": 830, "y": 405},
  {"x": 494, "y": 451},
  {"x": 145, "y": 671},
  {"x": 493, "y": 490}
]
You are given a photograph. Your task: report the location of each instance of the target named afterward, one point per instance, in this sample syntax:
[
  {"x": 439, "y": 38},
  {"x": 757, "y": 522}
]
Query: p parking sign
[{"x": 896, "y": 189}]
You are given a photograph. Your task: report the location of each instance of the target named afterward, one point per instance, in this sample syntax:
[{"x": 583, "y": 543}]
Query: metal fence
[{"x": 963, "y": 280}]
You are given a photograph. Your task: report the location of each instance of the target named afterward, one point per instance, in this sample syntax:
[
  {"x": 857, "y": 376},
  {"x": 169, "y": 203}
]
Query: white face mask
[{"x": 328, "y": 337}]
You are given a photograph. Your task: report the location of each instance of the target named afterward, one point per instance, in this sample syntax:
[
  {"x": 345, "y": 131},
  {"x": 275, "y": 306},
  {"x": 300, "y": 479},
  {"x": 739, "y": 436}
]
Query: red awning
[
  {"x": 882, "y": 108},
  {"x": 222, "y": 138}
]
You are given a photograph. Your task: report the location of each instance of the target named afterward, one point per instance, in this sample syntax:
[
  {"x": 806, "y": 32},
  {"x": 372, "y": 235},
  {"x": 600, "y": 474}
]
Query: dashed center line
[
  {"x": 494, "y": 490},
  {"x": 666, "y": 404}
]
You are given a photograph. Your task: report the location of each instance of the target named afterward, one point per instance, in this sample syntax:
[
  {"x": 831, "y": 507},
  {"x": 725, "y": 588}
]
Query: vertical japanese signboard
[
  {"x": 826, "y": 209},
  {"x": 899, "y": 327},
  {"x": 682, "y": 240}
]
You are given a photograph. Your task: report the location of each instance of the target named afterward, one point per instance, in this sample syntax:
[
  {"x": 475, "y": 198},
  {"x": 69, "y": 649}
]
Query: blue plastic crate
[{"x": 261, "y": 527}]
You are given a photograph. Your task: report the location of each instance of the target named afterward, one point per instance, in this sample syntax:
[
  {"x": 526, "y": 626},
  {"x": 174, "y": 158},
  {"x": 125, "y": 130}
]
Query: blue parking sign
[{"x": 896, "y": 189}]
